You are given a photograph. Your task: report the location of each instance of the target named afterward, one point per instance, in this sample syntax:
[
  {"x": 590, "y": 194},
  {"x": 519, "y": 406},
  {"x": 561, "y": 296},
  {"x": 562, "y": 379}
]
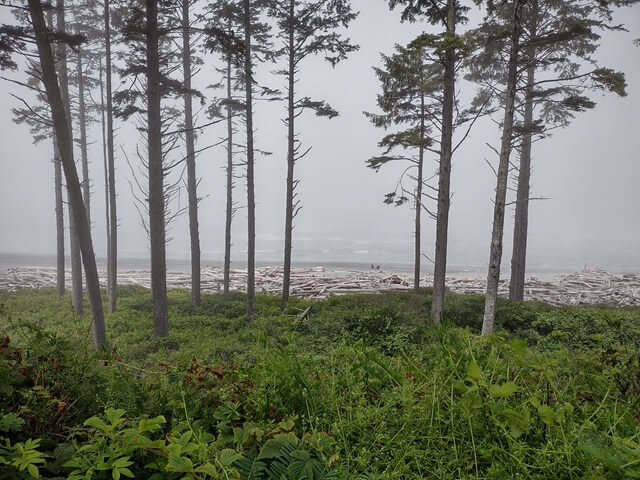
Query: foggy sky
[{"x": 590, "y": 172}]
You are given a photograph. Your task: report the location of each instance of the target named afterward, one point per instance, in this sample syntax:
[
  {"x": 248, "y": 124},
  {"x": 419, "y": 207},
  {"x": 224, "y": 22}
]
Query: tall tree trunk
[
  {"x": 156, "y": 177},
  {"x": 444, "y": 175},
  {"x": 191, "y": 157},
  {"x": 105, "y": 162},
  {"x": 113, "y": 218},
  {"x": 59, "y": 202},
  {"x": 419, "y": 185},
  {"x": 76, "y": 260},
  {"x": 229, "y": 209},
  {"x": 495, "y": 256},
  {"x": 289, "y": 208},
  {"x": 251, "y": 198},
  {"x": 521, "y": 224},
  {"x": 65, "y": 145},
  {"x": 60, "y": 273},
  {"x": 82, "y": 120}
]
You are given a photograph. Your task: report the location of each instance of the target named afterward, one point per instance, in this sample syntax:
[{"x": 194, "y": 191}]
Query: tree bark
[
  {"x": 65, "y": 145},
  {"x": 419, "y": 186},
  {"x": 156, "y": 177},
  {"x": 60, "y": 273},
  {"x": 229, "y": 209},
  {"x": 495, "y": 256},
  {"x": 59, "y": 203},
  {"x": 106, "y": 177},
  {"x": 191, "y": 157},
  {"x": 82, "y": 121},
  {"x": 251, "y": 199},
  {"x": 289, "y": 207},
  {"x": 113, "y": 218},
  {"x": 444, "y": 176},
  {"x": 521, "y": 223},
  {"x": 76, "y": 260}
]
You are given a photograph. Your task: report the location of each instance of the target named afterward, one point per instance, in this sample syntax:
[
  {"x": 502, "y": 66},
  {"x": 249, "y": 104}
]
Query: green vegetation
[{"x": 360, "y": 388}]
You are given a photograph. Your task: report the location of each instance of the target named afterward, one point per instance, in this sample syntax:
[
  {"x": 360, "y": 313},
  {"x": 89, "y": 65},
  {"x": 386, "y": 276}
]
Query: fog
[{"x": 589, "y": 173}]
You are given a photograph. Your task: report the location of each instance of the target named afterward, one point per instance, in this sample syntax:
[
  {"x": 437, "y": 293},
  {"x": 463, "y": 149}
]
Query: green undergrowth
[{"x": 361, "y": 387}]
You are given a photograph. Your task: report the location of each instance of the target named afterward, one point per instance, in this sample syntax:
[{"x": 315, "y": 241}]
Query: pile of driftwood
[
  {"x": 308, "y": 283},
  {"x": 590, "y": 287}
]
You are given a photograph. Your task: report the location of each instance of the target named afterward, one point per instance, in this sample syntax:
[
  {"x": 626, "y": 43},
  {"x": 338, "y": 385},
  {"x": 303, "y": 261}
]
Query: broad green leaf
[
  {"x": 228, "y": 456},
  {"x": 179, "y": 464},
  {"x": 96, "y": 422},
  {"x": 546, "y": 414},
  {"x": 151, "y": 424},
  {"x": 474, "y": 371}
]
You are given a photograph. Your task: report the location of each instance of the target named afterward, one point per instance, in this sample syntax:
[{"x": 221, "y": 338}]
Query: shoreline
[{"x": 589, "y": 287}]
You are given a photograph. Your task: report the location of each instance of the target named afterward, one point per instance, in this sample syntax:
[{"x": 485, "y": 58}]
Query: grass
[{"x": 363, "y": 388}]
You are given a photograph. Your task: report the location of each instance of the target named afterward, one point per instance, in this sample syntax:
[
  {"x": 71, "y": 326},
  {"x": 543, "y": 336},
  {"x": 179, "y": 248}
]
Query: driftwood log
[{"x": 589, "y": 287}]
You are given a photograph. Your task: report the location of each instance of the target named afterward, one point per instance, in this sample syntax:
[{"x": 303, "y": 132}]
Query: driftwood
[{"x": 590, "y": 287}]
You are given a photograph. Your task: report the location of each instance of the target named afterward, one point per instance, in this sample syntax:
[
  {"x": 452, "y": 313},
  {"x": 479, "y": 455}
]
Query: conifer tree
[
  {"x": 409, "y": 82},
  {"x": 305, "y": 29},
  {"x": 146, "y": 33},
  {"x": 559, "y": 39},
  {"x": 225, "y": 20},
  {"x": 18, "y": 39},
  {"x": 447, "y": 14}
]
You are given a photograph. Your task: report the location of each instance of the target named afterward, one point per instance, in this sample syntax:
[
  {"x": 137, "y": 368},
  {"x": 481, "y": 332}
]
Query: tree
[
  {"x": 225, "y": 19},
  {"x": 76, "y": 260},
  {"x": 59, "y": 115},
  {"x": 157, "y": 232},
  {"x": 558, "y": 40},
  {"x": 305, "y": 29},
  {"x": 192, "y": 183},
  {"x": 514, "y": 28},
  {"x": 251, "y": 196},
  {"x": 147, "y": 34},
  {"x": 112, "y": 247},
  {"x": 233, "y": 32},
  {"x": 410, "y": 80},
  {"x": 142, "y": 32},
  {"x": 559, "y": 37},
  {"x": 448, "y": 14}
]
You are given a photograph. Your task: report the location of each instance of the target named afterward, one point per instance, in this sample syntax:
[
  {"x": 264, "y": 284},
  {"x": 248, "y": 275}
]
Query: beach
[{"x": 587, "y": 287}]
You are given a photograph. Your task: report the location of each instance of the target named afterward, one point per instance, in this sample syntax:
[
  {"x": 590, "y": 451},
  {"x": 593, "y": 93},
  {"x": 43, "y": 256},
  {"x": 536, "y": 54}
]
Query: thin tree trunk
[
  {"x": 191, "y": 157},
  {"x": 60, "y": 273},
  {"x": 65, "y": 144},
  {"x": 76, "y": 259},
  {"x": 521, "y": 224},
  {"x": 495, "y": 257},
  {"x": 229, "y": 210},
  {"x": 106, "y": 177},
  {"x": 82, "y": 120},
  {"x": 289, "y": 213},
  {"x": 113, "y": 218},
  {"x": 418, "y": 224},
  {"x": 444, "y": 175},
  {"x": 59, "y": 202},
  {"x": 251, "y": 199},
  {"x": 156, "y": 177}
]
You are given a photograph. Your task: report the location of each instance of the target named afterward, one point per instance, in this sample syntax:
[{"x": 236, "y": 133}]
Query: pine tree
[
  {"x": 38, "y": 33},
  {"x": 410, "y": 81},
  {"x": 305, "y": 29},
  {"x": 558, "y": 40},
  {"x": 448, "y": 14},
  {"x": 225, "y": 20}
]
